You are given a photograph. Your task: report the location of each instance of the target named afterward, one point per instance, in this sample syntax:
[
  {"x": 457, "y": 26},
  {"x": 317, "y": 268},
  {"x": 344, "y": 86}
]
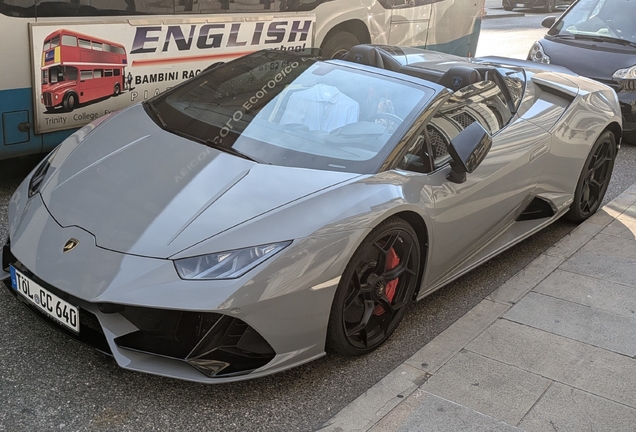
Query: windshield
[
  {"x": 610, "y": 19},
  {"x": 289, "y": 109}
]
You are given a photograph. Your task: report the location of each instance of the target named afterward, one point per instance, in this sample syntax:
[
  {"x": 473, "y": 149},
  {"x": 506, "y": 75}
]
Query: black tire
[
  {"x": 550, "y": 5},
  {"x": 70, "y": 102},
  {"x": 116, "y": 90},
  {"x": 338, "y": 44},
  {"x": 508, "y": 8},
  {"x": 594, "y": 178},
  {"x": 375, "y": 290},
  {"x": 50, "y": 110}
]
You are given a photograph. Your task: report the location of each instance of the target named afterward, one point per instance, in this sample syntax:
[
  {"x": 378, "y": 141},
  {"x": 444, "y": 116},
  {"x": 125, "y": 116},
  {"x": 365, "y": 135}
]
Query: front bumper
[
  {"x": 139, "y": 311},
  {"x": 182, "y": 344}
]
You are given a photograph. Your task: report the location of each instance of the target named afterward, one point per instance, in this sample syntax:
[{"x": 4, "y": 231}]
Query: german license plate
[{"x": 50, "y": 304}]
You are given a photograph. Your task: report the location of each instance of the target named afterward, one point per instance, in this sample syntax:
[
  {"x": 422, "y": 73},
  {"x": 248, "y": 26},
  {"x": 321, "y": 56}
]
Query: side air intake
[{"x": 537, "y": 209}]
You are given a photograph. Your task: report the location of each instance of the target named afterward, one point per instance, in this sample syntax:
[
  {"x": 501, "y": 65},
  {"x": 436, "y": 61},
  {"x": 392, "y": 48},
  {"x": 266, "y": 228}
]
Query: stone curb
[{"x": 373, "y": 405}]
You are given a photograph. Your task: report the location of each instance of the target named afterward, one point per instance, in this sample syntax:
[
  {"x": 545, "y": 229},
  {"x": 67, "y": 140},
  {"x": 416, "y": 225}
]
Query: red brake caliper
[{"x": 392, "y": 261}]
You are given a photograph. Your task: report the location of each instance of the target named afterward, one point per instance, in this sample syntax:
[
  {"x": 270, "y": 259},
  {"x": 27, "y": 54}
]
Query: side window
[
  {"x": 482, "y": 102},
  {"x": 417, "y": 157}
]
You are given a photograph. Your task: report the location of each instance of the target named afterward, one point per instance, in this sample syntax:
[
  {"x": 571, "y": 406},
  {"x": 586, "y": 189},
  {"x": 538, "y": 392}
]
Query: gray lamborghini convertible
[{"x": 280, "y": 206}]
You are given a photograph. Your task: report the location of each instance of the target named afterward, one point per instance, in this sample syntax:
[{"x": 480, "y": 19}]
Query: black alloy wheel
[
  {"x": 375, "y": 290},
  {"x": 594, "y": 179}
]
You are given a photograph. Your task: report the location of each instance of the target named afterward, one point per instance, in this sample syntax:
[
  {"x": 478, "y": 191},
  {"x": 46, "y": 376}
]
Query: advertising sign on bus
[{"x": 82, "y": 72}]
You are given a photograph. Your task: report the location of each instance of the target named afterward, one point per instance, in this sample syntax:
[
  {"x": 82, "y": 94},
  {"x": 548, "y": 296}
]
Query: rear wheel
[
  {"x": 507, "y": 8},
  {"x": 116, "y": 90},
  {"x": 550, "y": 5},
  {"x": 338, "y": 44},
  {"x": 375, "y": 290},
  {"x": 594, "y": 178},
  {"x": 70, "y": 101}
]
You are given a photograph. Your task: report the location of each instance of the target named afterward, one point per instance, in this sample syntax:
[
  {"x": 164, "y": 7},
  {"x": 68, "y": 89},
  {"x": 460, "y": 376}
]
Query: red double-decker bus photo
[{"x": 79, "y": 69}]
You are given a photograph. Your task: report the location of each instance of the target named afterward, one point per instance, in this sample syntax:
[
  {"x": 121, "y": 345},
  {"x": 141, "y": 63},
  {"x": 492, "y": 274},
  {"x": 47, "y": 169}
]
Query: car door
[{"x": 466, "y": 216}]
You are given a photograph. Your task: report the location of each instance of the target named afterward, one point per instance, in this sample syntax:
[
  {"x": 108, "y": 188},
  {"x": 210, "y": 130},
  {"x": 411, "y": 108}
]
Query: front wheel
[
  {"x": 594, "y": 178},
  {"x": 375, "y": 290},
  {"x": 70, "y": 101},
  {"x": 338, "y": 44}
]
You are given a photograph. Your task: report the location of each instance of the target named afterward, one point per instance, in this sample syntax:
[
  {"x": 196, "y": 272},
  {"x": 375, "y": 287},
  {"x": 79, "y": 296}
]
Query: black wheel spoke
[
  {"x": 355, "y": 292},
  {"x": 364, "y": 321},
  {"x": 392, "y": 274},
  {"x": 595, "y": 188},
  {"x": 384, "y": 250},
  {"x": 603, "y": 158}
]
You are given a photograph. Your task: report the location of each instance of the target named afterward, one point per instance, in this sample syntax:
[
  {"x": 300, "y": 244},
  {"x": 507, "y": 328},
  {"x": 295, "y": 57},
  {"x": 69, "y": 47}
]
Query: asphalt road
[{"x": 49, "y": 382}]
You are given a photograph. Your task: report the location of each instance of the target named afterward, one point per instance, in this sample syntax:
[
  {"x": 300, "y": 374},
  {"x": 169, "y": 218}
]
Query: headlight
[
  {"x": 626, "y": 77},
  {"x": 537, "y": 54},
  {"x": 40, "y": 173},
  {"x": 57, "y": 97},
  {"x": 227, "y": 265}
]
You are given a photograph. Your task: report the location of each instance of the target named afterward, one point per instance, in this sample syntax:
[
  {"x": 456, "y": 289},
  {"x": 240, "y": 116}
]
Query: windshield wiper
[
  {"x": 230, "y": 150},
  {"x": 156, "y": 114},
  {"x": 597, "y": 38}
]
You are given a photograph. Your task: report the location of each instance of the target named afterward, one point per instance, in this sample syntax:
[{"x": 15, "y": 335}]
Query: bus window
[
  {"x": 108, "y": 73},
  {"x": 55, "y": 42},
  {"x": 83, "y": 43},
  {"x": 106, "y": 47},
  {"x": 97, "y": 73},
  {"x": 117, "y": 72},
  {"x": 86, "y": 75},
  {"x": 68, "y": 40},
  {"x": 97, "y": 46},
  {"x": 47, "y": 45}
]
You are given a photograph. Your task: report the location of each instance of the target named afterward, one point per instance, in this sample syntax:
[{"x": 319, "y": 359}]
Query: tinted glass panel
[
  {"x": 481, "y": 102},
  {"x": 287, "y": 111},
  {"x": 609, "y": 19}
]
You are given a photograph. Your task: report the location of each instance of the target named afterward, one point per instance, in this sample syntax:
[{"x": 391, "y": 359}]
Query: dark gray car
[{"x": 596, "y": 39}]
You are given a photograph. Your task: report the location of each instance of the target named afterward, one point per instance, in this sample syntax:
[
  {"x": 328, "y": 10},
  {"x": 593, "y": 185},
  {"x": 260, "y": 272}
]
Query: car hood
[
  {"x": 596, "y": 60},
  {"x": 141, "y": 190}
]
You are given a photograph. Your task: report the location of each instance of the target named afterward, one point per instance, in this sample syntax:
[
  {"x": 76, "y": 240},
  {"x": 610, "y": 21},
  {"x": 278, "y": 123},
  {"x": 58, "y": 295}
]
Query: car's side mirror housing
[
  {"x": 548, "y": 21},
  {"x": 468, "y": 150}
]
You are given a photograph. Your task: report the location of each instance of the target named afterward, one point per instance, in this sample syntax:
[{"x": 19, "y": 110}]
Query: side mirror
[
  {"x": 467, "y": 151},
  {"x": 548, "y": 21}
]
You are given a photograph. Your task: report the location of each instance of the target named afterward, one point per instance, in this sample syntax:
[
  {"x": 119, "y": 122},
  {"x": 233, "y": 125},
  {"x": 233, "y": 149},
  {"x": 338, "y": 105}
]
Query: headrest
[
  {"x": 365, "y": 54},
  {"x": 460, "y": 76}
]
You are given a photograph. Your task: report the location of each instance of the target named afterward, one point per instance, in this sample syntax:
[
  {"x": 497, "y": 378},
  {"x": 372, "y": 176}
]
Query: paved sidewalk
[{"x": 552, "y": 349}]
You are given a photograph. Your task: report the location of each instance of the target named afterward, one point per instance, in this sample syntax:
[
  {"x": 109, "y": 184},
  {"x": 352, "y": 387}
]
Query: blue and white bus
[{"x": 167, "y": 41}]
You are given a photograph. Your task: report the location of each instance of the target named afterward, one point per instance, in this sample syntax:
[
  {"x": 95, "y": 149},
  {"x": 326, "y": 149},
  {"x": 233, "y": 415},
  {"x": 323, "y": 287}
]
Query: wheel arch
[
  {"x": 354, "y": 26},
  {"x": 421, "y": 229},
  {"x": 616, "y": 129}
]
